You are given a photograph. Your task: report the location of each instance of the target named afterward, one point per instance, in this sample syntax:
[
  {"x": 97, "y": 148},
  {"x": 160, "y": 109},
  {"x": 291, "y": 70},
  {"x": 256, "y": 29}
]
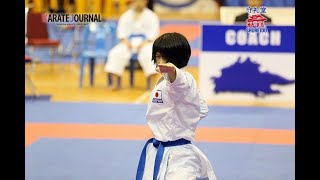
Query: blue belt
[{"x": 160, "y": 145}]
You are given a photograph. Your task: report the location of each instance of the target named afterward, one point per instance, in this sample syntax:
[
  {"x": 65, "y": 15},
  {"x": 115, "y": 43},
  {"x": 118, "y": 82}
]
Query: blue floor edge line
[{"x": 37, "y": 97}]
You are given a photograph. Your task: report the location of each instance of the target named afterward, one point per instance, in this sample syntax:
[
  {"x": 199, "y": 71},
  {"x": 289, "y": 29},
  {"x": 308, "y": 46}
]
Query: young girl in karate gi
[{"x": 174, "y": 110}]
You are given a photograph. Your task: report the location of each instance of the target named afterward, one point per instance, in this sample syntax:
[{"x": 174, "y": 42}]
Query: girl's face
[{"x": 159, "y": 59}]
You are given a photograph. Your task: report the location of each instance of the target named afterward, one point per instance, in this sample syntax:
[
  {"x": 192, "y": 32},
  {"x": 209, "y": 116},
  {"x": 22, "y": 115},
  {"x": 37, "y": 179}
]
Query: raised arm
[{"x": 177, "y": 81}]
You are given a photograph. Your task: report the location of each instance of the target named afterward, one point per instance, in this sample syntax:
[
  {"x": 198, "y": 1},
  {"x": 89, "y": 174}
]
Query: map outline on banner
[
  {"x": 232, "y": 79},
  {"x": 221, "y": 46}
]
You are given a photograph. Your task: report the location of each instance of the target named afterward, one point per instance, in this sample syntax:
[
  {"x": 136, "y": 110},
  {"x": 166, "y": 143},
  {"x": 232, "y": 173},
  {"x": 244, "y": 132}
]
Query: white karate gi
[
  {"x": 119, "y": 56},
  {"x": 174, "y": 111}
]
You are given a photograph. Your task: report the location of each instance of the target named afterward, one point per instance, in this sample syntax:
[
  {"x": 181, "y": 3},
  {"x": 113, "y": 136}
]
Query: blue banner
[{"x": 237, "y": 39}]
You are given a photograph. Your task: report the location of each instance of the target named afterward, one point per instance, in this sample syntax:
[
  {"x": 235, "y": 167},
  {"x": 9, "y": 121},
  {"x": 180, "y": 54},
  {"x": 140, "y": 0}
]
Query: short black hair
[{"x": 173, "y": 47}]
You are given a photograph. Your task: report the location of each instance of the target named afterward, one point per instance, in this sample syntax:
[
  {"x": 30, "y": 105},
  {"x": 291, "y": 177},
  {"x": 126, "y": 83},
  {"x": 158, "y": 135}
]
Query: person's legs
[
  {"x": 145, "y": 61},
  {"x": 118, "y": 58}
]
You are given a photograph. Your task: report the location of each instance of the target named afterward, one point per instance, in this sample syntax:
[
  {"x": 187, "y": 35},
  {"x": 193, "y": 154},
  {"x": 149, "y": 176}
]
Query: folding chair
[
  {"x": 102, "y": 46},
  {"x": 37, "y": 35}
]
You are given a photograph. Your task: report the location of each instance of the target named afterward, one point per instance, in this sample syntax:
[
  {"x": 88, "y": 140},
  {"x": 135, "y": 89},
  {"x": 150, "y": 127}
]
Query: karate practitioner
[
  {"x": 174, "y": 110},
  {"x": 138, "y": 20}
]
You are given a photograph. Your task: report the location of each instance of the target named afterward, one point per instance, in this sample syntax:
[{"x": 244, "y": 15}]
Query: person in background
[{"x": 136, "y": 20}]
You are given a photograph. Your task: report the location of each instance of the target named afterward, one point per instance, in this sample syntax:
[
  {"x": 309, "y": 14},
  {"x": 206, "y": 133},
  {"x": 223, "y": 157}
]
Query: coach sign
[{"x": 237, "y": 66}]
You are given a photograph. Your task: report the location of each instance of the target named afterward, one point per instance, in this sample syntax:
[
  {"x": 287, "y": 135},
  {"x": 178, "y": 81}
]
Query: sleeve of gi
[
  {"x": 179, "y": 86},
  {"x": 123, "y": 29}
]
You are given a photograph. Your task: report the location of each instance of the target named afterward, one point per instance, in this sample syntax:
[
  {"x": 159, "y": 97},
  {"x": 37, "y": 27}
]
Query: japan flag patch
[{"x": 157, "y": 97}]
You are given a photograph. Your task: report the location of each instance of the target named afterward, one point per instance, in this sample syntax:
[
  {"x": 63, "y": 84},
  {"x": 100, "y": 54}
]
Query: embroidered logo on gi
[{"x": 157, "y": 97}]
